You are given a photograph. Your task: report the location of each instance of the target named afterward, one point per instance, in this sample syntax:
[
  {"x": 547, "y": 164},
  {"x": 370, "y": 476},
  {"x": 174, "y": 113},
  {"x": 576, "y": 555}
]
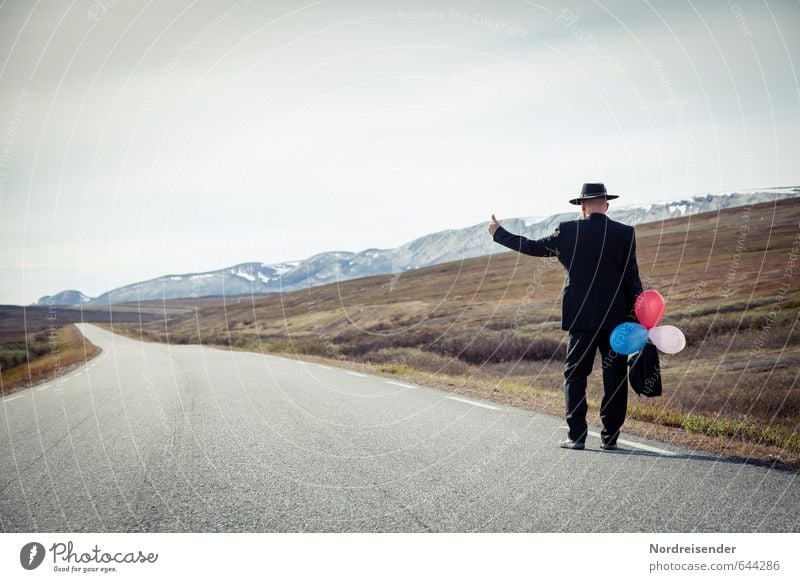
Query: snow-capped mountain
[
  {"x": 237, "y": 280},
  {"x": 432, "y": 249},
  {"x": 66, "y": 297}
]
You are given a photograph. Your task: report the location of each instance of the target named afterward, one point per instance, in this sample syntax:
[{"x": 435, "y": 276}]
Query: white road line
[
  {"x": 634, "y": 445},
  {"x": 473, "y": 403},
  {"x": 10, "y": 398},
  {"x": 401, "y": 384},
  {"x": 45, "y": 387},
  {"x": 324, "y": 366},
  {"x": 355, "y": 374},
  {"x": 643, "y": 447}
]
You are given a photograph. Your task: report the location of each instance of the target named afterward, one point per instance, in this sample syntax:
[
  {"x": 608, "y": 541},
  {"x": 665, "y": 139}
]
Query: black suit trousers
[{"x": 581, "y": 352}]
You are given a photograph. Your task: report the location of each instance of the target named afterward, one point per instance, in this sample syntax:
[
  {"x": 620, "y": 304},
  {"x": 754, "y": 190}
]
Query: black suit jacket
[{"x": 599, "y": 255}]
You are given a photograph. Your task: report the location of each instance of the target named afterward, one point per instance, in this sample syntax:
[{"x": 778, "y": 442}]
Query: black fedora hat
[{"x": 591, "y": 191}]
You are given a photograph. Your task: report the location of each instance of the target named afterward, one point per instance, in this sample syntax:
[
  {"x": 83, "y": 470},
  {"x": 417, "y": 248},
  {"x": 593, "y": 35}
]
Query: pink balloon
[
  {"x": 667, "y": 338},
  {"x": 649, "y": 308}
]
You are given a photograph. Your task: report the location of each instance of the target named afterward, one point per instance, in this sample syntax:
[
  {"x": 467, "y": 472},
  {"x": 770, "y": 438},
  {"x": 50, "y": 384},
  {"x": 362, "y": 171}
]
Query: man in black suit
[{"x": 601, "y": 287}]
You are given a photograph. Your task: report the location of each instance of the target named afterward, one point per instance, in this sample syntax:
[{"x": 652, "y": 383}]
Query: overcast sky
[{"x": 141, "y": 139}]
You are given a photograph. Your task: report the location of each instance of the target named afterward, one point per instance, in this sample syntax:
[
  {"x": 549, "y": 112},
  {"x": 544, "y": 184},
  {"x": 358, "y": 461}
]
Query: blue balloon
[{"x": 628, "y": 338}]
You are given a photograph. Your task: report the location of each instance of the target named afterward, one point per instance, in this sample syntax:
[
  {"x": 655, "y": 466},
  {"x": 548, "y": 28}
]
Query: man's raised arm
[{"x": 543, "y": 247}]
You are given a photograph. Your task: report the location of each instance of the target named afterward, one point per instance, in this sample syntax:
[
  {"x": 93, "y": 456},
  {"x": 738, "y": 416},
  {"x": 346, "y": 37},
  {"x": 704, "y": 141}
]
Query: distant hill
[
  {"x": 433, "y": 249},
  {"x": 68, "y": 297}
]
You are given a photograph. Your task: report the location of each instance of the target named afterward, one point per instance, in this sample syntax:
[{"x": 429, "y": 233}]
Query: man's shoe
[
  {"x": 570, "y": 444},
  {"x": 608, "y": 446}
]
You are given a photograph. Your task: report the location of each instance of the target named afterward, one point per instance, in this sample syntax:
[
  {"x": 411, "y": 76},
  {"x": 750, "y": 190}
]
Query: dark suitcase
[{"x": 644, "y": 372}]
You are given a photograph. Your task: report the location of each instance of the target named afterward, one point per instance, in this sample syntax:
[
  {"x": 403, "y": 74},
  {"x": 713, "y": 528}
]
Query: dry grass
[{"x": 67, "y": 349}]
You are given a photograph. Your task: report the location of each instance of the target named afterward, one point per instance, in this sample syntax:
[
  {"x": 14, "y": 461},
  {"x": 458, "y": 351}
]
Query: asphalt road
[{"x": 152, "y": 437}]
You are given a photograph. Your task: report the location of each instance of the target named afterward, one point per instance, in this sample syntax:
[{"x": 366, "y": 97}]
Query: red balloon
[{"x": 649, "y": 308}]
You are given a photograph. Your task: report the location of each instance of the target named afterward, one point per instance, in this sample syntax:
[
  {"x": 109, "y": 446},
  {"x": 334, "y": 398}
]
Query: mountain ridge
[{"x": 439, "y": 247}]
